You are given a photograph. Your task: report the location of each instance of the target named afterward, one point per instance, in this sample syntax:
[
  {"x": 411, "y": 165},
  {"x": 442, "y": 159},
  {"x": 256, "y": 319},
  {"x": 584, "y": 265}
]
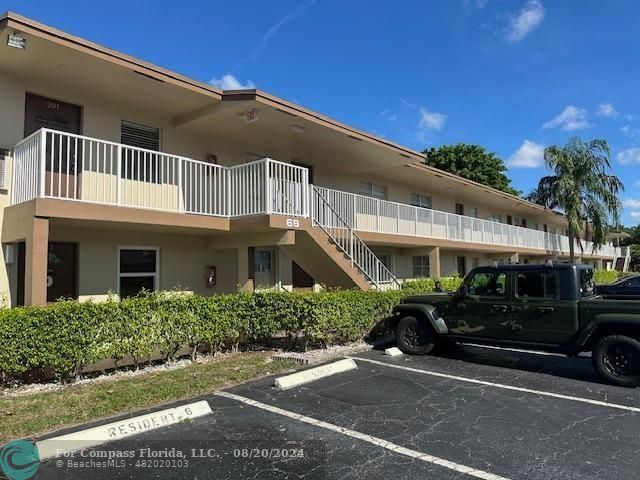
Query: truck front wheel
[
  {"x": 617, "y": 359},
  {"x": 414, "y": 336}
]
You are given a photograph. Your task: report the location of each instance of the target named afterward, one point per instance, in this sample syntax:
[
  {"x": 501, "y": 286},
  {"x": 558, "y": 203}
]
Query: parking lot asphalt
[{"x": 474, "y": 413}]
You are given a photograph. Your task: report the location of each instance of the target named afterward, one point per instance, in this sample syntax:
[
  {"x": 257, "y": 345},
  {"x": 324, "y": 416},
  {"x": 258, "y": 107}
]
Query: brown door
[
  {"x": 62, "y": 271},
  {"x": 42, "y": 112},
  {"x": 459, "y": 209},
  {"x": 462, "y": 266},
  {"x": 308, "y": 167},
  {"x": 21, "y": 274},
  {"x": 63, "y": 154},
  {"x": 300, "y": 278}
]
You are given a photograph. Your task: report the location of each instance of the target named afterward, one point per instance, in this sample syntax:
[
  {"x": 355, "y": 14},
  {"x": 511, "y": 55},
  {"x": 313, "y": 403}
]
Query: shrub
[
  {"x": 66, "y": 336},
  {"x": 607, "y": 276}
]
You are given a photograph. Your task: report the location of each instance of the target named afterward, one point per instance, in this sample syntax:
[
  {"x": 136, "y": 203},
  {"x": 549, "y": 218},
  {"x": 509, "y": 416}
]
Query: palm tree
[{"x": 581, "y": 187}]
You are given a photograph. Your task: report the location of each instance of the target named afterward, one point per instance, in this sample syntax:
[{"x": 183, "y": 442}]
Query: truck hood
[{"x": 430, "y": 298}]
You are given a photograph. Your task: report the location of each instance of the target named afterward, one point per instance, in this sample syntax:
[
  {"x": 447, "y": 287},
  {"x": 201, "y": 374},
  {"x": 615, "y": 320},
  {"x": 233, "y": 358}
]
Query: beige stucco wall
[
  {"x": 402, "y": 261},
  {"x": 102, "y": 120},
  {"x": 183, "y": 260},
  {"x": 400, "y": 192}
]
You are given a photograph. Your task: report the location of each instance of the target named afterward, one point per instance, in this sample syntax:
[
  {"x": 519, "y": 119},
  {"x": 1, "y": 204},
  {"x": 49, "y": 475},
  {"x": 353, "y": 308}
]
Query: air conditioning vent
[{"x": 141, "y": 136}]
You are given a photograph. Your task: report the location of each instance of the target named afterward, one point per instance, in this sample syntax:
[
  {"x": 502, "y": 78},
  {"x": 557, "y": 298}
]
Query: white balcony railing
[
  {"x": 368, "y": 214},
  {"x": 52, "y": 164}
]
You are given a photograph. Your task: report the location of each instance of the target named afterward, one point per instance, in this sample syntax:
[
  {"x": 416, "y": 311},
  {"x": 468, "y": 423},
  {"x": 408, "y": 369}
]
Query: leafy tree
[
  {"x": 634, "y": 239},
  {"x": 473, "y": 162},
  {"x": 581, "y": 187}
]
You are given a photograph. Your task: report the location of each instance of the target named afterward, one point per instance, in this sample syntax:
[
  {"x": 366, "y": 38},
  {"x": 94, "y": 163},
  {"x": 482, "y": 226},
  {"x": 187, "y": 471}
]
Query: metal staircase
[{"x": 344, "y": 237}]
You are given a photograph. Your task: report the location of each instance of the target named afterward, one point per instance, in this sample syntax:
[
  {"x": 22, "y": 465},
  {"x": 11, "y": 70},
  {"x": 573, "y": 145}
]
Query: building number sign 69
[{"x": 293, "y": 223}]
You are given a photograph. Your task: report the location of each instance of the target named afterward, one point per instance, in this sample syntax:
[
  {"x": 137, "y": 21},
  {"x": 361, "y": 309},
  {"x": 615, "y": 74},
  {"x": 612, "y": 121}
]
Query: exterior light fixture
[
  {"x": 16, "y": 41},
  {"x": 297, "y": 128}
]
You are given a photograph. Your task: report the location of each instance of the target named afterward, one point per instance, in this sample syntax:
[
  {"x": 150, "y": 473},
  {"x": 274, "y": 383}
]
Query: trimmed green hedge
[
  {"x": 66, "y": 336},
  {"x": 605, "y": 276}
]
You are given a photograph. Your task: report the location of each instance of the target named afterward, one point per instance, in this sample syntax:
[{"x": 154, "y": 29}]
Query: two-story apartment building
[{"x": 118, "y": 175}]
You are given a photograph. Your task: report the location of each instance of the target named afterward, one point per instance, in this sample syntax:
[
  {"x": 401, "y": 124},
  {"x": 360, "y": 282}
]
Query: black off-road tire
[
  {"x": 617, "y": 359},
  {"x": 415, "y": 336}
]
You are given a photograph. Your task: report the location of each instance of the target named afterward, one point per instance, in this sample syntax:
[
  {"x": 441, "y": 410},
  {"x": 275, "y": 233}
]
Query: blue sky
[{"x": 511, "y": 75}]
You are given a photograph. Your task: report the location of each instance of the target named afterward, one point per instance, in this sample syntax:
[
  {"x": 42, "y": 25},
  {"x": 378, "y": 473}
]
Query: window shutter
[
  {"x": 140, "y": 136},
  {"x": 4, "y": 170}
]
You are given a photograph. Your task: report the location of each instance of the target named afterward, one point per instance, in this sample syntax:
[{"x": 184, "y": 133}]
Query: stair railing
[{"x": 344, "y": 237}]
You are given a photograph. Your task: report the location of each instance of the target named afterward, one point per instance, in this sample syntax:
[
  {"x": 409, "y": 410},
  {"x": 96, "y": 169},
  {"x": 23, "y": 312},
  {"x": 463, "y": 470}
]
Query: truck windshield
[{"x": 586, "y": 283}]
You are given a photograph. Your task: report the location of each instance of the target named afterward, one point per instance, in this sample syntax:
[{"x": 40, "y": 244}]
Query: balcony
[
  {"x": 52, "y": 164},
  {"x": 366, "y": 214}
]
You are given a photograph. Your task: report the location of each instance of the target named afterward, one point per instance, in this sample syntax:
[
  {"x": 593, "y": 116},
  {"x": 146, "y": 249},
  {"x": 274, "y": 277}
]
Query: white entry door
[{"x": 265, "y": 268}]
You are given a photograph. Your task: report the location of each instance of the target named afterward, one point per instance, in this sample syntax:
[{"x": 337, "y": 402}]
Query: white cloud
[
  {"x": 525, "y": 21},
  {"x": 629, "y": 156},
  {"x": 431, "y": 120},
  {"x": 262, "y": 44},
  {"x": 635, "y": 214},
  {"x": 229, "y": 82},
  {"x": 571, "y": 118},
  {"x": 637, "y": 184},
  {"x": 479, "y": 4},
  {"x": 607, "y": 110},
  {"x": 633, "y": 203},
  {"x": 629, "y": 131},
  {"x": 528, "y": 155},
  {"x": 389, "y": 115}
]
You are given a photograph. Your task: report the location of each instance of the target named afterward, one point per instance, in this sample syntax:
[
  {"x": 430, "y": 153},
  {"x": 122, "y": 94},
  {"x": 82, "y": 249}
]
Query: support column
[
  {"x": 245, "y": 277},
  {"x": 36, "y": 255},
  {"x": 514, "y": 257},
  {"x": 434, "y": 262},
  {"x": 600, "y": 264}
]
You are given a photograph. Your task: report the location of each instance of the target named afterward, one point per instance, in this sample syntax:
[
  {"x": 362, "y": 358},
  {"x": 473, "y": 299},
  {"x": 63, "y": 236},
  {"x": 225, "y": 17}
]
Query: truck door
[
  {"x": 482, "y": 308},
  {"x": 539, "y": 314}
]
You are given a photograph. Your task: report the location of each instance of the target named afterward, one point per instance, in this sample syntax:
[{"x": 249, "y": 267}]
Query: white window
[
  {"x": 137, "y": 270},
  {"x": 496, "y": 217},
  {"x": 475, "y": 262},
  {"x": 473, "y": 212},
  {"x": 373, "y": 190},
  {"x": 420, "y": 266},
  {"x": 264, "y": 261},
  {"x": 418, "y": 200}
]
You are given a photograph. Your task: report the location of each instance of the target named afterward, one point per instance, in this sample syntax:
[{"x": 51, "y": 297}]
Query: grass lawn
[{"x": 25, "y": 416}]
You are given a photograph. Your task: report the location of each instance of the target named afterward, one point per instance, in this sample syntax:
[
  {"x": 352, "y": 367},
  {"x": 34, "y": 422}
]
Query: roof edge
[
  {"x": 14, "y": 20},
  {"x": 298, "y": 110},
  {"x": 509, "y": 196}
]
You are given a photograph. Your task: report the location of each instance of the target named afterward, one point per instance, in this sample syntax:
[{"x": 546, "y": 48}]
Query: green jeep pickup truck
[{"x": 551, "y": 307}]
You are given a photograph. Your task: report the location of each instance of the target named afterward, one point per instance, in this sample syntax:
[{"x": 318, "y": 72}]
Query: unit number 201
[{"x": 293, "y": 223}]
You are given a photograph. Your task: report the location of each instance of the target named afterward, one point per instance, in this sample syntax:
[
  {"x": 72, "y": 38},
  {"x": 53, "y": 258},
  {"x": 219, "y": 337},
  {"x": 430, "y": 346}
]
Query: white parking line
[
  {"x": 365, "y": 438},
  {"x": 500, "y": 385}
]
